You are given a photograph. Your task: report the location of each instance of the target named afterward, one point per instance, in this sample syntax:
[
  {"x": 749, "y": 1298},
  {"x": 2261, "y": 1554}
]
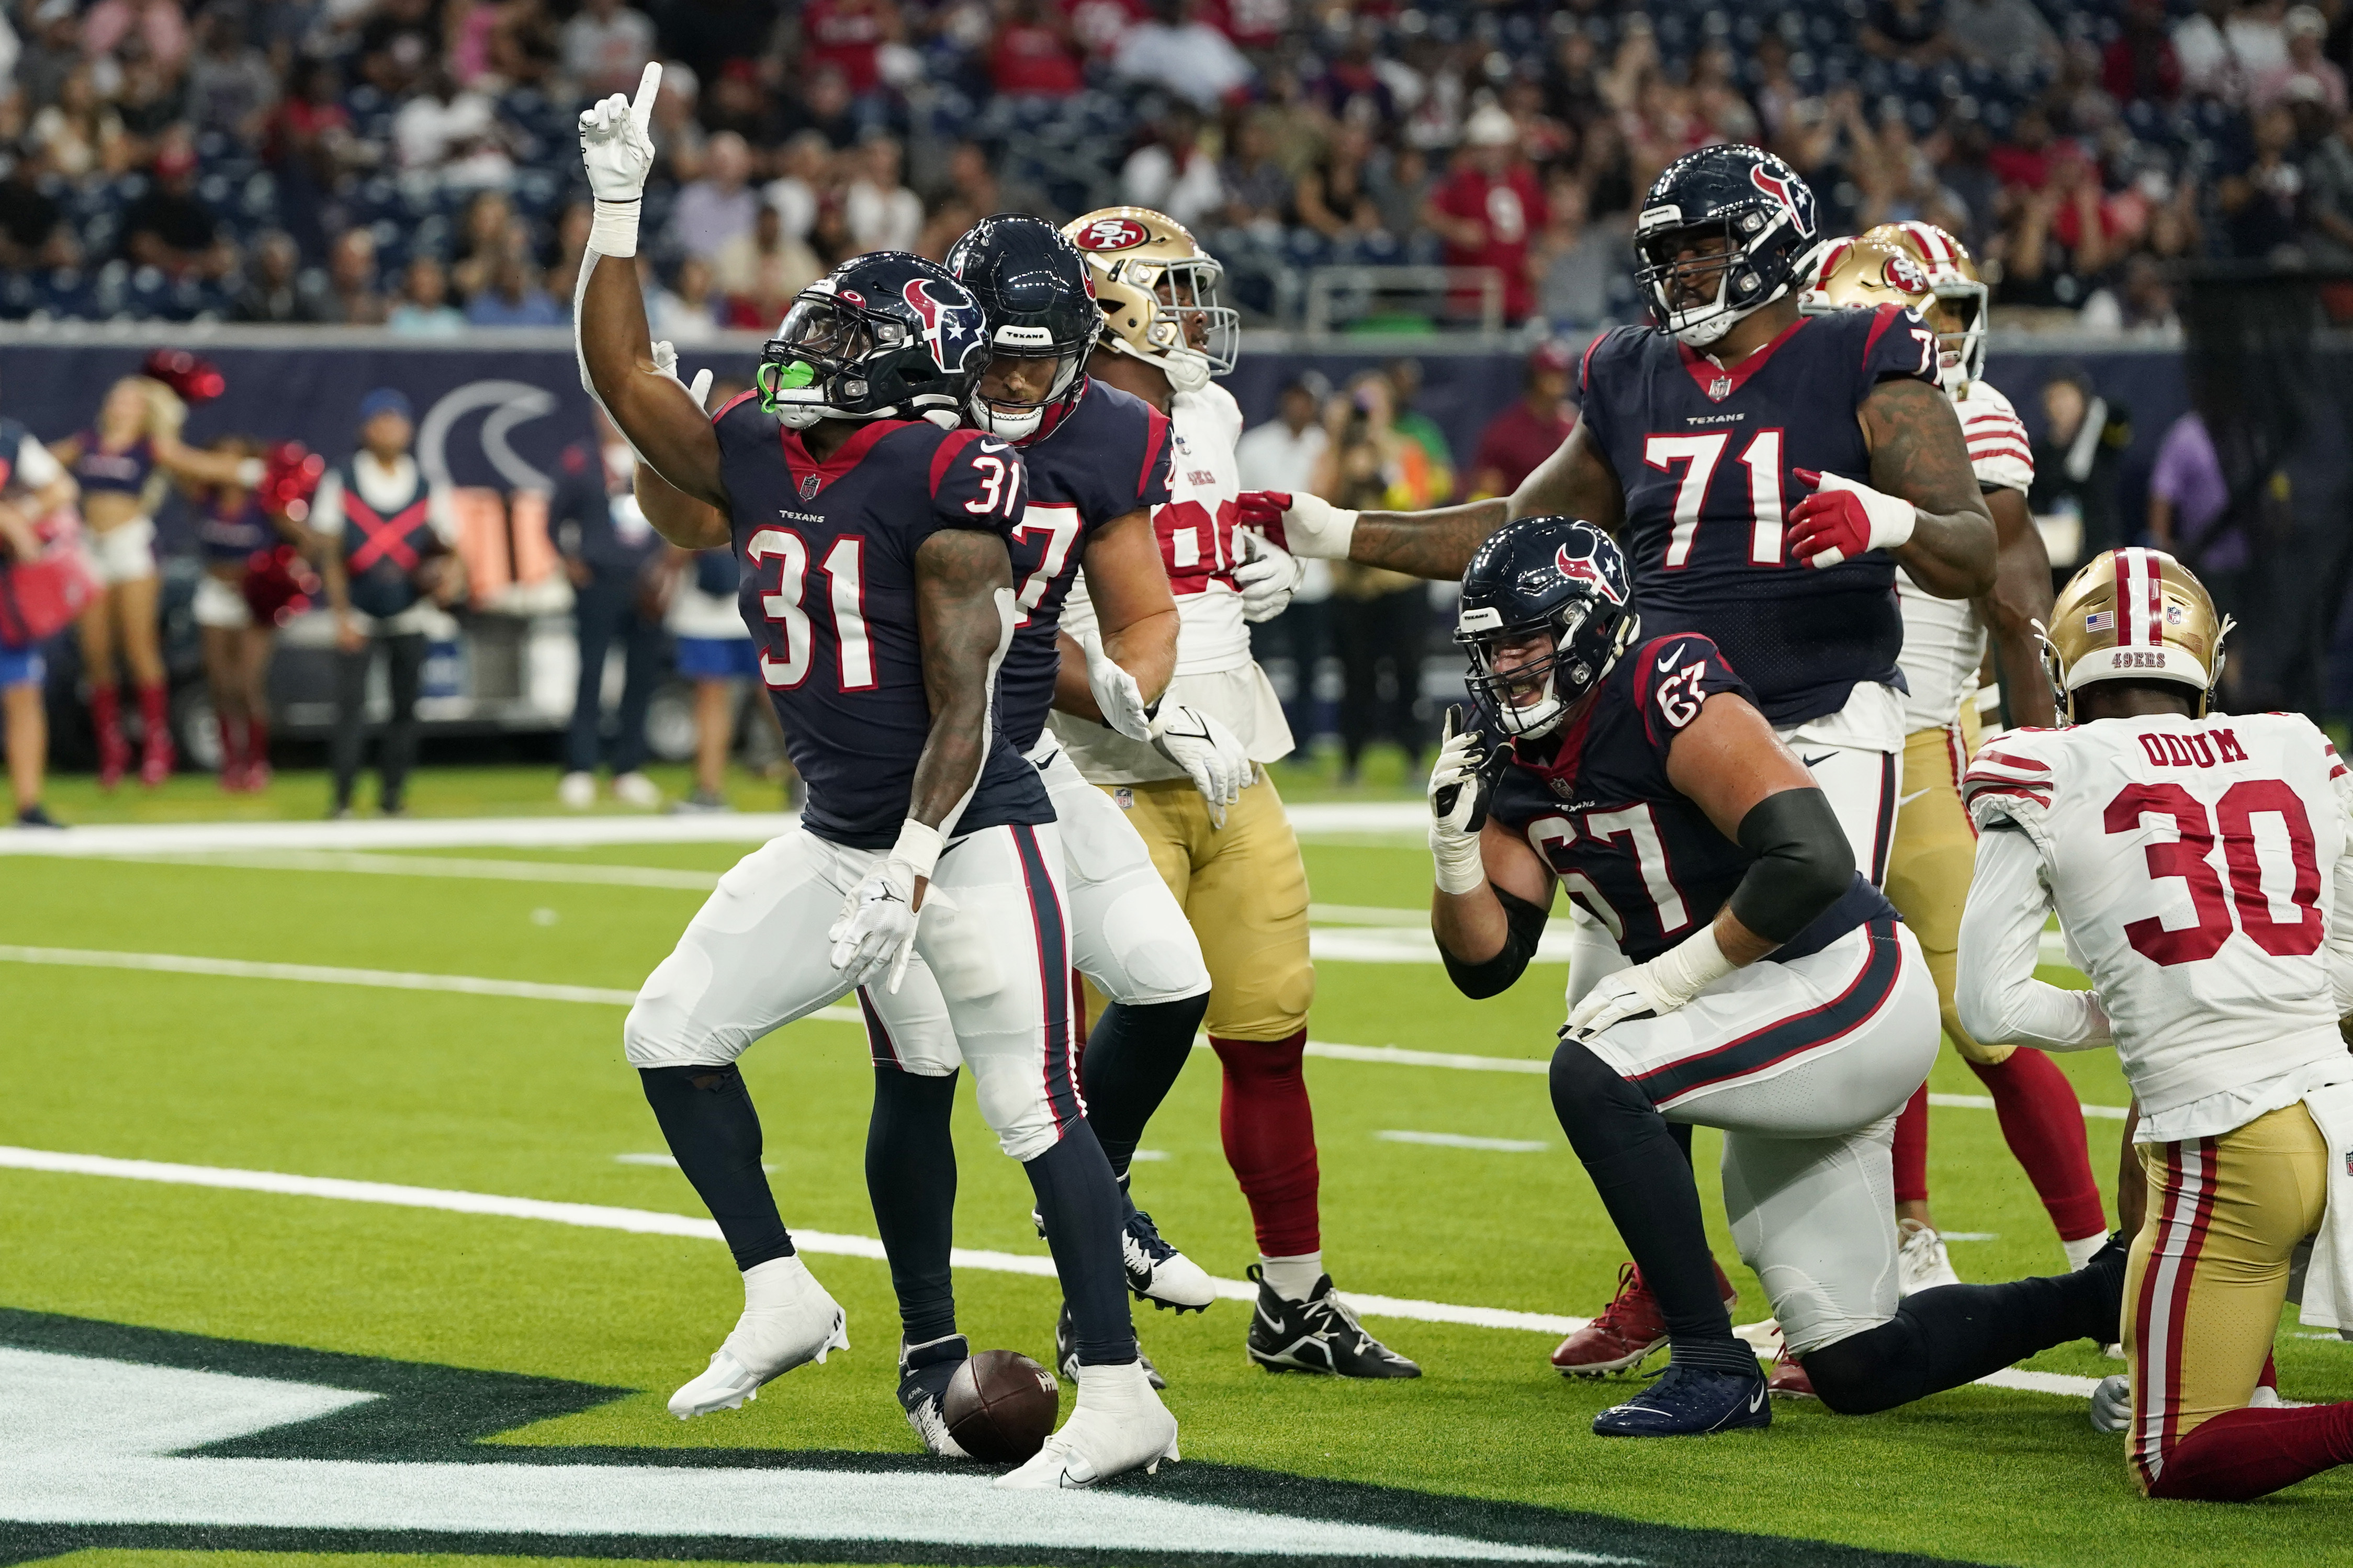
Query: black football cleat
[
  {"x": 1690, "y": 1401},
  {"x": 925, "y": 1372},
  {"x": 1066, "y": 1353},
  {"x": 1319, "y": 1335}
]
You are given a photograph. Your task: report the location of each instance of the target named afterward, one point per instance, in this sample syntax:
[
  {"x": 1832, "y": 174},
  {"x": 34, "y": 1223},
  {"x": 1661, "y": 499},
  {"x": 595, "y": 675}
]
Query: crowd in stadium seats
[{"x": 410, "y": 163}]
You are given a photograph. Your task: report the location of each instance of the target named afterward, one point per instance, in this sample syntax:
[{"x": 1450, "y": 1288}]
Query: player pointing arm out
[{"x": 876, "y": 578}]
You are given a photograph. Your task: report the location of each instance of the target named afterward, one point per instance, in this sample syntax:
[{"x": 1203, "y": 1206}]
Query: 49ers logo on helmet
[
  {"x": 1586, "y": 569},
  {"x": 1904, "y": 274},
  {"x": 1111, "y": 234},
  {"x": 952, "y": 327}
]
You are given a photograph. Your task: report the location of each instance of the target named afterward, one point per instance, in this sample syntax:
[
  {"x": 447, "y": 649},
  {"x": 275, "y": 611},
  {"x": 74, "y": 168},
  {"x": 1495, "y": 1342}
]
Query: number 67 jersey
[{"x": 2198, "y": 868}]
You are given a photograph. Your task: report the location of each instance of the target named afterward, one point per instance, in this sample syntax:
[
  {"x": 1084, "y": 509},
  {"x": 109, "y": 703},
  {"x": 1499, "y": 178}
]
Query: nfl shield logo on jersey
[
  {"x": 1719, "y": 389},
  {"x": 808, "y": 487}
]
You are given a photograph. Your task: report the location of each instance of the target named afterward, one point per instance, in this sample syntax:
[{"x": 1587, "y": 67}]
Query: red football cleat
[
  {"x": 1628, "y": 1329},
  {"x": 1788, "y": 1380}
]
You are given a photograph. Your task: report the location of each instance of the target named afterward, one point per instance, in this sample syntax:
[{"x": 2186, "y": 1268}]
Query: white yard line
[
  {"x": 363, "y": 864},
  {"x": 1463, "y": 1141},
  {"x": 1983, "y": 1102},
  {"x": 649, "y": 1221}
]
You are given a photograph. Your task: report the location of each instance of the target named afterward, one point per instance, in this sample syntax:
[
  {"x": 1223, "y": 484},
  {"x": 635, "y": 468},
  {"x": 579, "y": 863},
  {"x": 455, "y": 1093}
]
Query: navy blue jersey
[
  {"x": 1705, "y": 458},
  {"x": 1106, "y": 458},
  {"x": 228, "y": 535},
  {"x": 1638, "y": 855},
  {"x": 828, "y": 594}
]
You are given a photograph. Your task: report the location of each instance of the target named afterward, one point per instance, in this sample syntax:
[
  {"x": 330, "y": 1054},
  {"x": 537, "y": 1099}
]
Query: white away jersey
[
  {"x": 2196, "y": 868},
  {"x": 1944, "y": 643},
  {"x": 1199, "y": 547}
]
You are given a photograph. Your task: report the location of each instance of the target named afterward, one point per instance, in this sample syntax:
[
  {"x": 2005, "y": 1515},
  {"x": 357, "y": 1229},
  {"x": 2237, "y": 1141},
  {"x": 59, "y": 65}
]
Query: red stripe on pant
[
  {"x": 2165, "y": 1302},
  {"x": 1269, "y": 1130}
]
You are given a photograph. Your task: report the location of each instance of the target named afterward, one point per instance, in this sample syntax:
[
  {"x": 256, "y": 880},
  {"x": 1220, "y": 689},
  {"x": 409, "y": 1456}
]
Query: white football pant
[
  {"x": 998, "y": 966},
  {"x": 1128, "y": 933}
]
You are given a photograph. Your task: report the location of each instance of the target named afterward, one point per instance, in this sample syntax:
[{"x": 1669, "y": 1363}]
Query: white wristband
[
  {"x": 614, "y": 229},
  {"x": 251, "y": 472},
  {"x": 919, "y": 847},
  {"x": 1456, "y": 862},
  {"x": 1692, "y": 966}
]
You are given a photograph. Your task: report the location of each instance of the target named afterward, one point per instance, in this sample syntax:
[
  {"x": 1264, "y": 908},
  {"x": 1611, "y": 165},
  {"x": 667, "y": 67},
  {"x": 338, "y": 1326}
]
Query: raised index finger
[{"x": 641, "y": 107}]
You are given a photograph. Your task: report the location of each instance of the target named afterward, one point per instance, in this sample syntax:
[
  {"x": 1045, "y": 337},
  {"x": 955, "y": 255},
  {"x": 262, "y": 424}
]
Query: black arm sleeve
[
  {"x": 1479, "y": 981},
  {"x": 1803, "y": 863}
]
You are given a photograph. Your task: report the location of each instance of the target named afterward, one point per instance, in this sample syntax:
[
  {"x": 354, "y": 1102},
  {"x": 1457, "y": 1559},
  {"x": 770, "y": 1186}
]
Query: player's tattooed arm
[
  {"x": 677, "y": 517},
  {"x": 960, "y": 576},
  {"x": 1917, "y": 453},
  {"x": 2021, "y": 598},
  {"x": 1128, "y": 586},
  {"x": 659, "y": 417},
  {"x": 1575, "y": 481}
]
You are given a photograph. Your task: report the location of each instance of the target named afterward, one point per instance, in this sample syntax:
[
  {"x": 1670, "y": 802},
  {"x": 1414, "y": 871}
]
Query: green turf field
[{"x": 510, "y": 1357}]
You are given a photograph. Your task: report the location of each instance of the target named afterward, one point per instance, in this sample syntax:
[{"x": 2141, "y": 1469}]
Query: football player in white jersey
[
  {"x": 2198, "y": 864},
  {"x": 1235, "y": 867},
  {"x": 1922, "y": 268}
]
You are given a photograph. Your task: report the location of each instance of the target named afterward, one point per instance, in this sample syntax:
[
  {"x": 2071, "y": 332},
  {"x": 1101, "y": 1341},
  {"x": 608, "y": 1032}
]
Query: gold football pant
[
  {"x": 2209, "y": 1270},
  {"x": 1244, "y": 887},
  {"x": 1934, "y": 857}
]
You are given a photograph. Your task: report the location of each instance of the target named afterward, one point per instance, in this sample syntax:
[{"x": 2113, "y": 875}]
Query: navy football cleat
[{"x": 1690, "y": 1401}]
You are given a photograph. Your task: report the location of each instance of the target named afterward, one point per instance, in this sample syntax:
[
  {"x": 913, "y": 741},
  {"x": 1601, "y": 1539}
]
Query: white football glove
[
  {"x": 1115, "y": 691},
  {"x": 1301, "y": 523},
  {"x": 1458, "y": 810},
  {"x": 666, "y": 365},
  {"x": 1655, "y": 988},
  {"x": 1211, "y": 755},
  {"x": 1268, "y": 576},
  {"x": 876, "y": 929},
  {"x": 617, "y": 144}
]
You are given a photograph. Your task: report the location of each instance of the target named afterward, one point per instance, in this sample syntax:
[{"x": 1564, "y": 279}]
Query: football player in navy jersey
[
  {"x": 871, "y": 533},
  {"x": 1765, "y": 472},
  {"x": 1771, "y": 991}
]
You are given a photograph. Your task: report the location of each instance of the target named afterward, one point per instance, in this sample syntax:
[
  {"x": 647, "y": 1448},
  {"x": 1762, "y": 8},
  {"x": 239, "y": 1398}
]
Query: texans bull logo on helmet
[
  {"x": 1607, "y": 576},
  {"x": 1793, "y": 195},
  {"x": 952, "y": 328}
]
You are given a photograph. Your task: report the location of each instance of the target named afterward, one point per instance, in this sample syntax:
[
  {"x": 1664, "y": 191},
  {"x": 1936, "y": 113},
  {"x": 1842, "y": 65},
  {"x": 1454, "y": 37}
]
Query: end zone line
[{"x": 650, "y": 1222}]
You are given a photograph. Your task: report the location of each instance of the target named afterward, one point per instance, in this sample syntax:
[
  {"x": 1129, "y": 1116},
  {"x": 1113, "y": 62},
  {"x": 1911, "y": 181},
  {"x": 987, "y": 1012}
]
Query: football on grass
[{"x": 999, "y": 1406}]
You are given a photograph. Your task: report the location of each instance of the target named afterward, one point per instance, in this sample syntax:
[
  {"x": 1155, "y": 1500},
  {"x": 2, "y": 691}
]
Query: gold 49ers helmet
[
  {"x": 1158, "y": 291},
  {"x": 1863, "y": 272},
  {"x": 1958, "y": 311},
  {"x": 2133, "y": 615}
]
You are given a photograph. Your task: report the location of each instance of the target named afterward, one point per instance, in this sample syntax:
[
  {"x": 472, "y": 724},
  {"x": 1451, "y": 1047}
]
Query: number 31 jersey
[
  {"x": 1635, "y": 851},
  {"x": 2194, "y": 865},
  {"x": 825, "y": 556},
  {"x": 1706, "y": 458}
]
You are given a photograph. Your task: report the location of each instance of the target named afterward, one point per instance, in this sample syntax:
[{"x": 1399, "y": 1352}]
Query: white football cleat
[
  {"x": 576, "y": 790},
  {"x": 1921, "y": 1262},
  {"x": 636, "y": 789},
  {"x": 1118, "y": 1425},
  {"x": 1158, "y": 1272},
  {"x": 787, "y": 1320}
]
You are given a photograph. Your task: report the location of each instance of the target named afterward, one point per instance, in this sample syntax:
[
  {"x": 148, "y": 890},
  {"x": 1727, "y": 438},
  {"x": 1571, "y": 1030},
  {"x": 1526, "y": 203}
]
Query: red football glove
[
  {"x": 1843, "y": 519},
  {"x": 1301, "y": 523},
  {"x": 1263, "y": 509}
]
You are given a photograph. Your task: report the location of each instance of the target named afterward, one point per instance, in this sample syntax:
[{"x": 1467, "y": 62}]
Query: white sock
[
  {"x": 2081, "y": 1250},
  {"x": 1292, "y": 1278},
  {"x": 779, "y": 1282}
]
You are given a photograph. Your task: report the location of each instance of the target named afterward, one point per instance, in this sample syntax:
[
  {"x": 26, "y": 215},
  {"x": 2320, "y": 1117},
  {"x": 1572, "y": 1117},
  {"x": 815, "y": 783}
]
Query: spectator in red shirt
[
  {"x": 1523, "y": 436},
  {"x": 2140, "y": 63},
  {"x": 2025, "y": 160},
  {"x": 847, "y": 34},
  {"x": 1031, "y": 55},
  {"x": 1489, "y": 208}
]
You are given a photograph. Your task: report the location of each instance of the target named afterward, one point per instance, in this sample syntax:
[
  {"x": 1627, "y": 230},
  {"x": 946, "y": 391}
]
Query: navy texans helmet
[
  {"x": 886, "y": 335},
  {"x": 1543, "y": 577},
  {"x": 1040, "y": 303},
  {"x": 1737, "y": 217}
]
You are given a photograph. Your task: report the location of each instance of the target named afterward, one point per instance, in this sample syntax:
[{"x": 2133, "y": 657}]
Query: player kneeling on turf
[
  {"x": 1774, "y": 994},
  {"x": 2221, "y": 978}
]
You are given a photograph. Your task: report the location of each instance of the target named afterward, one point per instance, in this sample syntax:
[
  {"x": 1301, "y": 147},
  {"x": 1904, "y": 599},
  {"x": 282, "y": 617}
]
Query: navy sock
[
  {"x": 1081, "y": 1203},
  {"x": 707, "y": 1119},
  {"x": 1133, "y": 1054},
  {"x": 1645, "y": 1181},
  {"x": 1954, "y": 1334},
  {"x": 911, "y": 1177}
]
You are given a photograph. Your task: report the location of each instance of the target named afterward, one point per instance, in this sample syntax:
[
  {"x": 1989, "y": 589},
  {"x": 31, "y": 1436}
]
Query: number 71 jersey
[
  {"x": 1706, "y": 458},
  {"x": 2195, "y": 865}
]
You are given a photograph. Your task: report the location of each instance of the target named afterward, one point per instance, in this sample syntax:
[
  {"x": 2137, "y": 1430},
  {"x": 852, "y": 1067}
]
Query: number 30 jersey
[
  {"x": 1706, "y": 459},
  {"x": 1637, "y": 854},
  {"x": 825, "y": 557},
  {"x": 2197, "y": 868}
]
